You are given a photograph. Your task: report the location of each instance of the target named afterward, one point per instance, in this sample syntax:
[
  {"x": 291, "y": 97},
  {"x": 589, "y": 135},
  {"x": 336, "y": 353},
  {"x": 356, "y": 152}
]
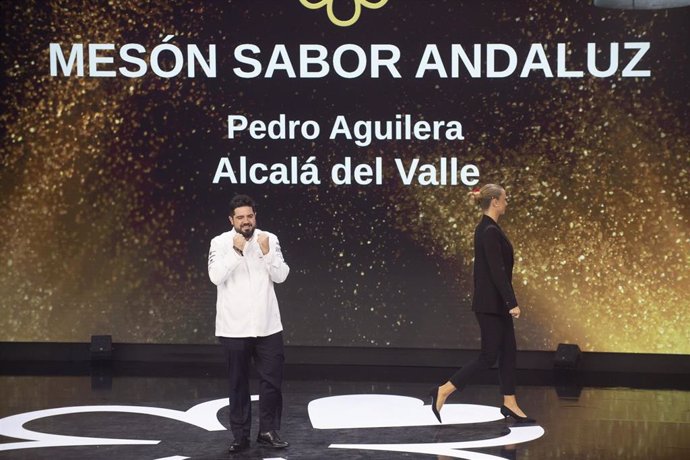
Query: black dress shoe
[
  {"x": 509, "y": 413},
  {"x": 271, "y": 439},
  {"x": 239, "y": 445},
  {"x": 434, "y": 397}
]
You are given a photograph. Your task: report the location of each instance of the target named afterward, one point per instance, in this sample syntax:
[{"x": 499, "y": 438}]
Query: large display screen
[{"x": 359, "y": 127}]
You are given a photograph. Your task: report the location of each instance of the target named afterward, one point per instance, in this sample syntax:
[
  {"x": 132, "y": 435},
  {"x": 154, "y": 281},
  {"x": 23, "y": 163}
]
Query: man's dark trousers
[{"x": 268, "y": 356}]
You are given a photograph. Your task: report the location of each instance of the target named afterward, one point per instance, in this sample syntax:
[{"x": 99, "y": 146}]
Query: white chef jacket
[{"x": 246, "y": 305}]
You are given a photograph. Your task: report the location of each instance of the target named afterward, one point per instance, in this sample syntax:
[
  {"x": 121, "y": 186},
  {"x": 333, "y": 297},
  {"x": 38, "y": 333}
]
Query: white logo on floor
[
  {"x": 335, "y": 412},
  {"x": 387, "y": 411}
]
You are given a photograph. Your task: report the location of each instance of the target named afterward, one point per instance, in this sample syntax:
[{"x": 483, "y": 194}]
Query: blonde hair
[{"x": 484, "y": 195}]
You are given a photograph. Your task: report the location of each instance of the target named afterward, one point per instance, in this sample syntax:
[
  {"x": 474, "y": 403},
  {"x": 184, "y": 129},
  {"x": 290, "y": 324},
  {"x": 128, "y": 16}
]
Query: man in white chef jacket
[{"x": 244, "y": 263}]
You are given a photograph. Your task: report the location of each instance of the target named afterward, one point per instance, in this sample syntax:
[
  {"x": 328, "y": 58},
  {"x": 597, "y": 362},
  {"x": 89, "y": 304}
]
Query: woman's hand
[{"x": 515, "y": 312}]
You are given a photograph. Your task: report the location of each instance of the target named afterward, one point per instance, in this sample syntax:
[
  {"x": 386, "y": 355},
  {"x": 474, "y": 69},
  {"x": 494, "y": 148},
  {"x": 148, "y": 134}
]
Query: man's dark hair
[{"x": 241, "y": 200}]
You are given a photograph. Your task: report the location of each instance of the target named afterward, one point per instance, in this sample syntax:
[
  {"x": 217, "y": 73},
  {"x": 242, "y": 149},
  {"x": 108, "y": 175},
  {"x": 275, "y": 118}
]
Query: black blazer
[{"x": 493, "y": 269}]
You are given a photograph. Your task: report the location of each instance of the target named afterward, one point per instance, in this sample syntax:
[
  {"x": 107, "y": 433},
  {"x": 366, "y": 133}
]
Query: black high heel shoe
[
  {"x": 509, "y": 413},
  {"x": 434, "y": 397}
]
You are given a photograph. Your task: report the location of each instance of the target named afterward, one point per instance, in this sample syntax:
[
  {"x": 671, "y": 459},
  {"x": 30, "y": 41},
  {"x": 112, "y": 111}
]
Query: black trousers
[
  {"x": 498, "y": 343},
  {"x": 268, "y": 356}
]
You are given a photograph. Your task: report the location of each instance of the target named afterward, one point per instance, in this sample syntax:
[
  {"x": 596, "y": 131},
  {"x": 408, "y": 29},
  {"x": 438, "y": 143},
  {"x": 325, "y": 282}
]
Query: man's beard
[{"x": 246, "y": 232}]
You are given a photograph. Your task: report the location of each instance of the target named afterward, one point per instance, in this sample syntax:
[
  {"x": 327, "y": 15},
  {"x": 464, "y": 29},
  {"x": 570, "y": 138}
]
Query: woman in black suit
[{"x": 494, "y": 305}]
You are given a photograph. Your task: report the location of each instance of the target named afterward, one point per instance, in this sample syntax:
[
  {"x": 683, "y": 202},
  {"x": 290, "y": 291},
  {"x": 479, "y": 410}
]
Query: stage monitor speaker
[
  {"x": 101, "y": 348},
  {"x": 567, "y": 356}
]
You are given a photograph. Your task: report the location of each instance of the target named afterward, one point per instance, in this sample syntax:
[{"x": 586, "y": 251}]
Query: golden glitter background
[{"x": 107, "y": 204}]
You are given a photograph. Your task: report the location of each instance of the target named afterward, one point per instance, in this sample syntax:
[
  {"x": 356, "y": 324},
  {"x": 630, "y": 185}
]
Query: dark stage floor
[{"x": 347, "y": 422}]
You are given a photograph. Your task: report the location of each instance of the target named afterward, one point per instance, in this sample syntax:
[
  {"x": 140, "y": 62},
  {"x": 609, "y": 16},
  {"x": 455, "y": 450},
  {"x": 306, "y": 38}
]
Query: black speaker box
[
  {"x": 568, "y": 356},
  {"x": 101, "y": 347}
]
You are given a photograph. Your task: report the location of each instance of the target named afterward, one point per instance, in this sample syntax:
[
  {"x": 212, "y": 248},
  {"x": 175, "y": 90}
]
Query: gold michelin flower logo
[{"x": 317, "y": 4}]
